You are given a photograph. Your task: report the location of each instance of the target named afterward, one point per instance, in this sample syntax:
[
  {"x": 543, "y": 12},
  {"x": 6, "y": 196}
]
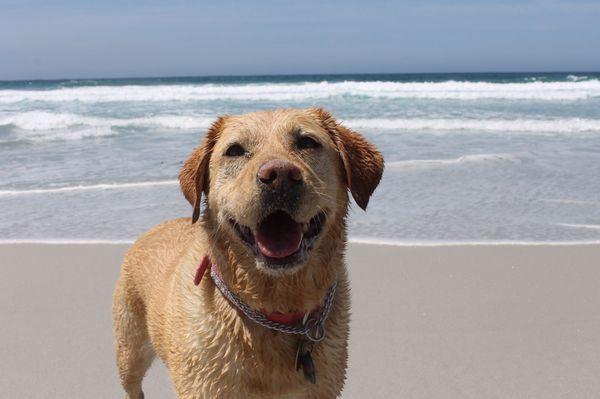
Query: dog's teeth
[{"x": 304, "y": 227}]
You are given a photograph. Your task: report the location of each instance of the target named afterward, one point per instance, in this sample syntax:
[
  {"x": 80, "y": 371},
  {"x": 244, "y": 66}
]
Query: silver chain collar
[{"x": 311, "y": 327}]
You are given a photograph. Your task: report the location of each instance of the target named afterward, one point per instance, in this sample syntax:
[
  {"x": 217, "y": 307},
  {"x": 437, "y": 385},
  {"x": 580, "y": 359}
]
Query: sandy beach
[{"x": 457, "y": 321}]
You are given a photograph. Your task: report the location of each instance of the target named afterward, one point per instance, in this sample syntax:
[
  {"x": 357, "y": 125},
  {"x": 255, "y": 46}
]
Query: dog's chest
[
  {"x": 242, "y": 363},
  {"x": 224, "y": 354}
]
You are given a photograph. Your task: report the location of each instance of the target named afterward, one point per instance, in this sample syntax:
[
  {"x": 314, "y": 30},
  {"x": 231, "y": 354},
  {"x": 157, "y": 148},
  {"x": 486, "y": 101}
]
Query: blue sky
[{"x": 75, "y": 39}]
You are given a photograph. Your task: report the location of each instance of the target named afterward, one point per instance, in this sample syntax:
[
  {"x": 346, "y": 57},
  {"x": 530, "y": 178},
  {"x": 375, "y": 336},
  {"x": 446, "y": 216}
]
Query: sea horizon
[{"x": 311, "y": 76}]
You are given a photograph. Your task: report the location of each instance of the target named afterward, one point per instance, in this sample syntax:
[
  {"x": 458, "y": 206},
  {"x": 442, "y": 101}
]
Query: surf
[{"x": 300, "y": 91}]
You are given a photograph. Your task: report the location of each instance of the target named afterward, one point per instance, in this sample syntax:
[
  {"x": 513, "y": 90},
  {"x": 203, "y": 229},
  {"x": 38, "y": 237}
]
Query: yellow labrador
[{"x": 250, "y": 298}]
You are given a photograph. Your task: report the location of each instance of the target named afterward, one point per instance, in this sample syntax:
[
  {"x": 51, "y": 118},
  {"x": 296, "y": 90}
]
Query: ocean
[{"x": 469, "y": 157}]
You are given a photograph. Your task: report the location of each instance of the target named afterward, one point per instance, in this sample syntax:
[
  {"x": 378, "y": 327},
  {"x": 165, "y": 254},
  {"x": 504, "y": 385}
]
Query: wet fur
[{"x": 210, "y": 349}]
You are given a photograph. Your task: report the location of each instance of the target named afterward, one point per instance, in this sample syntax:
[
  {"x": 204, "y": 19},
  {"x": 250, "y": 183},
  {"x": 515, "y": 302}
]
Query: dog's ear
[
  {"x": 193, "y": 177},
  {"x": 362, "y": 162}
]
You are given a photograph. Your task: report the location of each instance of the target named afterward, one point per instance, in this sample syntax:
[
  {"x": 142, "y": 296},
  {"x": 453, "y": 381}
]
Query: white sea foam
[
  {"x": 73, "y": 126},
  {"x": 577, "y": 78},
  {"x": 467, "y": 243},
  {"x": 44, "y": 120},
  {"x": 64, "y": 241},
  {"x": 575, "y": 89},
  {"x": 465, "y": 159},
  {"x": 566, "y": 125},
  {"x": 93, "y": 187},
  {"x": 580, "y": 226},
  {"x": 71, "y": 134}
]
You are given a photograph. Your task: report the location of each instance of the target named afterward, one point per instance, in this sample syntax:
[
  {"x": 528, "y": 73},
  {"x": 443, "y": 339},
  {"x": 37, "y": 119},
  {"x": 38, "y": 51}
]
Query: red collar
[
  {"x": 284, "y": 318},
  {"x": 291, "y": 318},
  {"x": 201, "y": 270}
]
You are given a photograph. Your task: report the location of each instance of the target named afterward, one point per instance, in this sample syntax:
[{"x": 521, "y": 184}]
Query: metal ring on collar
[{"x": 314, "y": 330}]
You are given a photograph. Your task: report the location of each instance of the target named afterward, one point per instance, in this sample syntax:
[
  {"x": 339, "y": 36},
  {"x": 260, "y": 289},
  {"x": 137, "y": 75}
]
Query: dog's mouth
[{"x": 279, "y": 241}]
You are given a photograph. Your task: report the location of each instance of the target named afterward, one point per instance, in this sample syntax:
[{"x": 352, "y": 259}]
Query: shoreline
[{"x": 362, "y": 241}]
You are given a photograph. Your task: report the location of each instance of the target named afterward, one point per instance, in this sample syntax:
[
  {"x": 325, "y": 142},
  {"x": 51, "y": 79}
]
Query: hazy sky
[{"x": 57, "y": 39}]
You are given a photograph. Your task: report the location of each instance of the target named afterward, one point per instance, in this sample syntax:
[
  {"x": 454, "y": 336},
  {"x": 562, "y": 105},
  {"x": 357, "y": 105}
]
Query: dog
[{"x": 250, "y": 298}]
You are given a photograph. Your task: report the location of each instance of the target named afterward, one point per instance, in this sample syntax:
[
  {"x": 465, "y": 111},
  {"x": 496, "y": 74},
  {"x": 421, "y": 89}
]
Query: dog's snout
[{"x": 279, "y": 173}]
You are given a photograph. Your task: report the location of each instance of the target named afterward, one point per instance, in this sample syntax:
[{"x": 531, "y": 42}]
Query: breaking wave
[
  {"x": 93, "y": 187},
  {"x": 43, "y": 120},
  {"x": 43, "y": 125},
  {"x": 576, "y": 88},
  {"x": 567, "y": 125},
  {"x": 465, "y": 159}
]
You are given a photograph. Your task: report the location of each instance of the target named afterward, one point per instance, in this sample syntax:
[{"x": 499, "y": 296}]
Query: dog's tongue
[{"x": 278, "y": 235}]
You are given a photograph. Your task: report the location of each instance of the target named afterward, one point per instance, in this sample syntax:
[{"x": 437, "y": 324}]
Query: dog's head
[{"x": 275, "y": 183}]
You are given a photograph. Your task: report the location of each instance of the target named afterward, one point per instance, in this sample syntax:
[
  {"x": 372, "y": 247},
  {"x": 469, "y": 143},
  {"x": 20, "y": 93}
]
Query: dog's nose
[{"x": 279, "y": 173}]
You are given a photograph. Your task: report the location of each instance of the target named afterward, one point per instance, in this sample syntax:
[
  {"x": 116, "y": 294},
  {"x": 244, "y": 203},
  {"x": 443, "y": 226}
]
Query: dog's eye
[
  {"x": 306, "y": 142},
  {"x": 235, "y": 150}
]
